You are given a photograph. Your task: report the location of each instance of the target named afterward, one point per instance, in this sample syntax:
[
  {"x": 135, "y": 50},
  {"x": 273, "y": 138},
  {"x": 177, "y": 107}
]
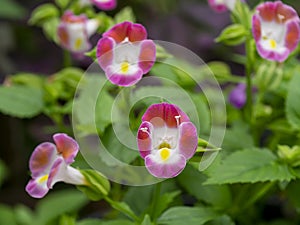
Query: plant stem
[
  {"x": 249, "y": 108},
  {"x": 156, "y": 195},
  {"x": 67, "y": 59}
]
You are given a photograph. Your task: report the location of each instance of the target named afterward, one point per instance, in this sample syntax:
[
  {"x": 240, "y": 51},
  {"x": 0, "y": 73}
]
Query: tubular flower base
[
  {"x": 222, "y": 5},
  {"x": 74, "y": 32},
  {"x": 275, "y": 27},
  {"x": 49, "y": 164},
  {"x": 166, "y": 140},
  {"x": 125, "y": 54}
]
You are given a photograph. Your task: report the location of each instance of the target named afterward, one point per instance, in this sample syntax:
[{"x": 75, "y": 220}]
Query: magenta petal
[
  {"x": 118, "y": 32},
  {"x": 136, "y": 32},
  {"x": 105, "y": 52},
  {"x": 123, "y": 79},
  {"x": 272, "y": 55},
  {"x": 36, "y": 190},
  {"x": 217, "y": 7},
  {"x": 144, "y": 138},
  {"x": 54, "y": 173},
  {"x": 42, "y": 158},
  {"x": 147, "y": 55},
  {"x": 292, "y": 36},
  {"x": 256, "y": 27},
  {"x": 109, "y": 5},
  {"x": 66, "y": 146},
  {"x": 165, "y": 170},
  {"x": 188, "y": 139}
]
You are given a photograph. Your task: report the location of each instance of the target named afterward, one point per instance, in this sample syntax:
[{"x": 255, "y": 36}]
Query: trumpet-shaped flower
[
  {"x": 166, "y": 140},
  {"x": 125, "y": 54},
  {"x": 222, "y": 5},
  {"x": 50, "y": 163},
  {"x": 101, "y": 4},
  {"x": 74, "y": 32},
  {"x": 275, "y": 27}
]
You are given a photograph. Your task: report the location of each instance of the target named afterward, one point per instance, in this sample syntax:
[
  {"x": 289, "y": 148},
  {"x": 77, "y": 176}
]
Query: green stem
[
  {"x": 156, "y": 196},
  {"x": 249, "y": 108},
  {"x": 67, "y": 59}
]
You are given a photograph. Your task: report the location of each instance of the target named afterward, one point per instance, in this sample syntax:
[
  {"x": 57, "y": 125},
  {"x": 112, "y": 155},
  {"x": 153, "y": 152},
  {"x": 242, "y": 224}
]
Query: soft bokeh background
[{"x": 23, "y": 48}]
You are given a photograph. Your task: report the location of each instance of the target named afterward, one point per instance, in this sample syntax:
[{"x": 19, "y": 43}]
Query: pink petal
[
  {"x": 123, "y": 79},
  {"x": 63, "y": 36},
  {"x": 136, "y": 32},
  {"x": 285, "y": 12},
  {"x": 118, "y": 32},
  {"x": 66, "y": 146},
  {"x": 165, "y": 170},
  {"x": 69, "y": 17},
  {"x": 267, "y": 11},
  {"x": 147, "y": 55},
  {"x": 42, "y": 159},
  {"x": 107, "y": 5},
  {"x": 105, "y": 52},
  {"x": 144, "y": 138},
  {"x": 54, "y": 173},
  {"x": 36, "y": 190},
  {"x": 292, "y": 35},
  {"x": 256, "y": 27},
  {"x": 188, "y": 139},
  {"x": 217, "y": 7},
  {"x": 271, "y": 54}
]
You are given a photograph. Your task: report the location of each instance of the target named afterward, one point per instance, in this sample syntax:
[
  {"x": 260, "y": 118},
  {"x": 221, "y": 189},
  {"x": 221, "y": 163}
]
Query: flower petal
[
  {"x": 136, "y": 32},
  {"x": 292, "y": 35},
  {"x": 36, "y": 189},
  {"x": 54, "y": 177},
  {"x": 105, "y": 52},
  {"x": 165, "y": 170},
  {"x": 147, "y": 55},
  {"x": 267, "y": 11},
  {"x": 256, "y": 27},
  {"x": 42, "y": 159},
  {"x": 118, "y": 32},
  {"x": 66, "y": 146},
  {"x": 217, "y": 7},
  {"x": 276, "y": 55},
  {"x": 285, "y": 12},
  {"x": 105, "y": 4},
  {"x": 144, "y": 138},
  {"x": 165, "y": 113},
  {"x": 188, "y": 139}
]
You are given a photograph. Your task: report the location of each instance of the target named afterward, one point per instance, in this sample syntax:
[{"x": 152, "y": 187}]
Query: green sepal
[
  {"x": 232, "y": 35},
  {"x": 97, "y": 185}
]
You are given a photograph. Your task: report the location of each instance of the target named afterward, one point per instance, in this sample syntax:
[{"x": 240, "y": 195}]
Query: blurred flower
[
  {"x": 125, "y": 54},
  {"x": 49, "y": 164},
  {"x": 275, "y": 27},
  {"x": 101, "y": 4},
  {"x": 237, "y": 96},
  {"x": 74, "y": 32},
  {"x": 222, "y": 5},
  {"x": 166, "y": 140}
]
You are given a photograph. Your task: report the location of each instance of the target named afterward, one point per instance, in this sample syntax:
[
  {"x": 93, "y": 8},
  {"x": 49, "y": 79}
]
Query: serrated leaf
[
  {"x": 126, "y": 14},
  {"x": 292, "y": 102},
  {"x": 56, "y": 204},
  {"x": 249, "y": 166},
  {"x": 21, "y": 101},
  {"x": 187, "y": 215},
  {"x": 28, "y": 79},
  {"x": 43, "y": 13}
]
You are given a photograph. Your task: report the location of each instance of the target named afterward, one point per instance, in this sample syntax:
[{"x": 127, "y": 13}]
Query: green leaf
[
  {"x": 11, "y": 10},
  {"x": 146, "y": 220},
  {"x": 103, "y": 222},
  {"x": 222, "y": 220},
  {"x": 234, "y": 34},
  {"x": 218, "y": 196},
  {"x": 292, "y": 102},
  {"x": 124, "y": 208},
  {"x": 23, "y": 215},
  {"x": 249, "y": 166},
  {"x": 164, "y": 201},
  {"x": 43, "y": 13},
  {"x": 67, "y": 220},
  {"x": 56, "y": 204},
  {"x": 98, "y": 186},
  {"x": 28, "y": 79},
  {"x": 62, "y": 3},
  {"x": 7, "y": 215},
  {"x": 21, "y": 101},
  {"x": 187, "y": 215},
  {"x": 50, "y": 28},
  {"x": 126, "y": 14}
]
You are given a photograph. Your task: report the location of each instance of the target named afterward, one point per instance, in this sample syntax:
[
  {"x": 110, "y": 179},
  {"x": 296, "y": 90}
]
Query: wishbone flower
[
  {"x": 222, "y": 5},
  {"x": 125, "y": 54},
  {"x": 74, "y": 31},
  {"x": 50, "y": 163},
  {"x": 166, "y": 140},
  {"x": 275, "y": 27},
  {"x": 101, "y": 4}
]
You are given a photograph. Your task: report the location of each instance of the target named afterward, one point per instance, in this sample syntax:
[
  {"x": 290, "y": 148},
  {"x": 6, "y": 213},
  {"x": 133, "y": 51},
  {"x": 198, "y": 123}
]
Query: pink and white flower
[
  {"x": 125, "y": 54},
  {"x": 275, "y": 27},
  {"x": 50, "y": 163},
  {"x": 222, "y": 5},
  {"x": 101, "y": 4},
  {"x": 166, "y": 140},
  {"x": 74, "y": 32}
]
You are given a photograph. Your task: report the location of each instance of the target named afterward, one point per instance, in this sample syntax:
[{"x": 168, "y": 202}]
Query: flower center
[
  {"x": 43, "y": 178},
  {"x": 164, "y": 145},
  {"x": 78, "y": 43},
  {"x": 124, "y": 67},
  {"x": 164, "y": 153},
  {"x": 273, "y": 43}
]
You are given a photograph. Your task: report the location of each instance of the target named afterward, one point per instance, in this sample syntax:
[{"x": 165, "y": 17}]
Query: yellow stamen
[
  {"x": 164, "y": 154},
  {"x": 78, "y": 43},
  {"x": 164, "y": 145},
  {"x": 124, "y": 67},
  {"x": 43, "y": 178},
  {"x": 273, "y": 43}
]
